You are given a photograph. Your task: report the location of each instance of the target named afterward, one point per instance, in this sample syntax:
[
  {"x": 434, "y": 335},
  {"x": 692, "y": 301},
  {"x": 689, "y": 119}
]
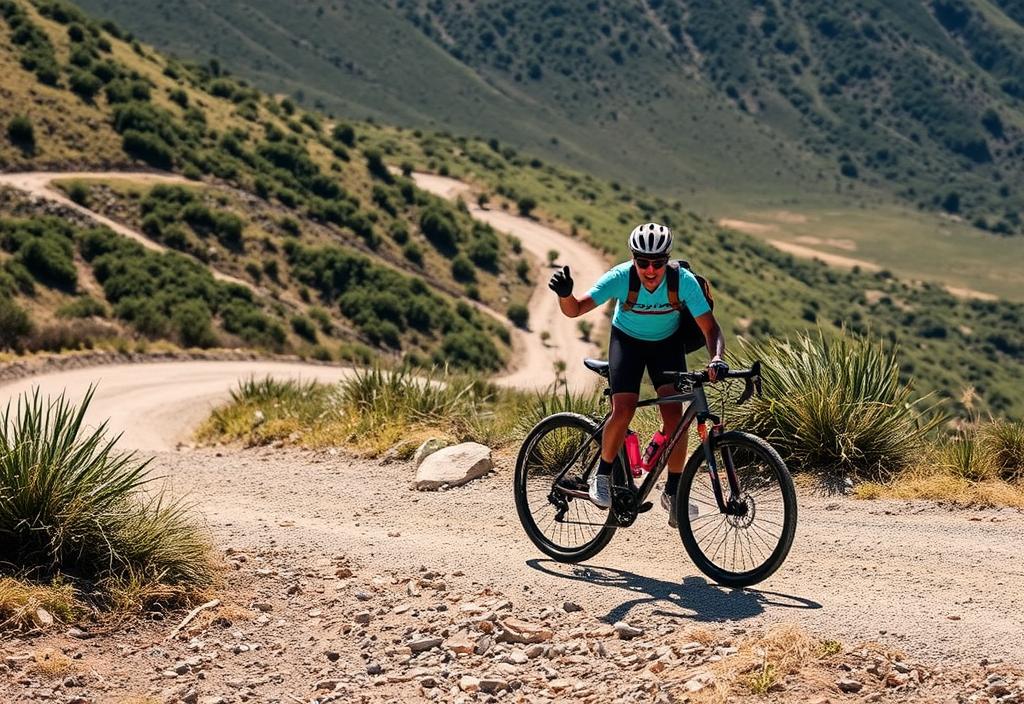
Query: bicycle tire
[
  {"x": 561, "y": 553},
  {"x": 771, "y": 460}
]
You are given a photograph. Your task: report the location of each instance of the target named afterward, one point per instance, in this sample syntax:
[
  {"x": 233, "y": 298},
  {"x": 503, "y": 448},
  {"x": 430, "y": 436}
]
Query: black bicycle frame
[{"x": 697, "y": 408}]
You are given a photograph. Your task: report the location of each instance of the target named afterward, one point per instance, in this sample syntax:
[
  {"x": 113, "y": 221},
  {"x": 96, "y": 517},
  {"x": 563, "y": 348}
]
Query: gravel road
[
  {"x": 158, "y": 405},
  {"x": 943, "y": 585}
]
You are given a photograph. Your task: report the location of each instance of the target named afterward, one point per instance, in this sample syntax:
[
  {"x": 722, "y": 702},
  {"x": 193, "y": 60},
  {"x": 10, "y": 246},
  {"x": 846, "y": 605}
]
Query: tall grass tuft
[
  {"x": 73, "y": 506},
  {"x": 387, "y": 406},
  {"x": 836, "y": 406},
  {"x": 1003, "y": 443}
]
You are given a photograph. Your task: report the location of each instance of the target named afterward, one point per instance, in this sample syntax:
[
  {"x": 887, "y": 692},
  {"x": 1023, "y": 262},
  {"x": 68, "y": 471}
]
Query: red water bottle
[
  {"x": 653, "y": 450},
  {"x": 633, "y": 453}
]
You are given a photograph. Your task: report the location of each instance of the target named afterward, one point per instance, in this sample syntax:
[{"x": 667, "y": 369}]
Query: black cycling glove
[
  {"x": 721, "y": 368},
  {"x": 561, "y": 282}
]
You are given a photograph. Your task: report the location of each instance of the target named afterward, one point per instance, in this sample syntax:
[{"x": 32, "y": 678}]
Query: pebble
[
  {"x": 571, "y": 607},
  {"x": 625, "y": 631},
  {"x": 850, "y": 686},
  {"x": 418, "y": 645},
  {"x": 468, "y": 683},
  {"x": 363, "y": 617},
  {"x": 493, "y": 684}
]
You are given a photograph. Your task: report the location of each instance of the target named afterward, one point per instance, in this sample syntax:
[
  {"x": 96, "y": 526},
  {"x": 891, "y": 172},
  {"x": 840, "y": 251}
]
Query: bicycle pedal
[{"x": 645, "y": 507}]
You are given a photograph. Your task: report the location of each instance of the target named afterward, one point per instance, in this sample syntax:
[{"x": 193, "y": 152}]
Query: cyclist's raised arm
[
  {"x": 573, "y": 307},
  {"x": 561, "y": 283}
]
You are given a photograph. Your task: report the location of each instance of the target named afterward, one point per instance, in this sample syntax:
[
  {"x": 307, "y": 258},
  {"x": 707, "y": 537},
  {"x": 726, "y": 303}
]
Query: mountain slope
[
  {"x": 331, "y": 247},
  {"x": 326, "y": 237},
  {"x": 919, "y": 101}
]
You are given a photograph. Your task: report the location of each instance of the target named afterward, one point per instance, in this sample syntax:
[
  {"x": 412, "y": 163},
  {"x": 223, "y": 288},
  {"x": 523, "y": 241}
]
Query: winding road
[{"x": 565, "y": 343}]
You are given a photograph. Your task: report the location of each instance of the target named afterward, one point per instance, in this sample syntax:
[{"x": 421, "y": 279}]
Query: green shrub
[
  {"x": 15, "y": 324},
  {"x": 304, "y": 327},
  {"x": 376, "y": 166},
  {"x": 85, "y": 85},
  {"x": 439, "y": 227},
  {"x": 463, "y": 269},
  {"x": 519, "y": 315},
  {"x": 83, "y": 307},
  {"x": 74, "y": 506},
  {"x": 344, "y": 134},
  {"x": 193, "y": 324},
  {"x": 21, "y": 133},
  {"x": 78, "y": 192},
  {"x": 49, "y": 260},
  {"x": 835, "y": 406},
  {"x": 148, "y": 147},
  {"x": 468, "y": 349},
  {"x": 526, "y": 205},
  {"x": 413, "y": 253}
]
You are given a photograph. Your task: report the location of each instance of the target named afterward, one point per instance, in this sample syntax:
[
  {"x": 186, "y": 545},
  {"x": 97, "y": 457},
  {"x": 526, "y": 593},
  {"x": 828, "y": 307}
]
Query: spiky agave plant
[
  {"x": 71, "y": 504},
  {"x": 836, "y": 405}
]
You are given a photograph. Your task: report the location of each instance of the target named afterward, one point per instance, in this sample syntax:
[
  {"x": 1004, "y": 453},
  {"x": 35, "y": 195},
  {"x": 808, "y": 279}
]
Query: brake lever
[
  {"x": 748, "y": 391},
  {"x": 752, "y": 384}
]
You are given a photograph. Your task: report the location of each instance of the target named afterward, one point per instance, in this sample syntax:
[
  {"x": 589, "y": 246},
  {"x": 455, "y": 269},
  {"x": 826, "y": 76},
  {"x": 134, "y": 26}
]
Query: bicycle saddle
[{"x": 597, "y": 365}]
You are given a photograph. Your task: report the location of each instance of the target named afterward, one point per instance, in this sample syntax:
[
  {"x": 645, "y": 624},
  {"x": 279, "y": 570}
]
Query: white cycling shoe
[{"x": 599, "y": 488}]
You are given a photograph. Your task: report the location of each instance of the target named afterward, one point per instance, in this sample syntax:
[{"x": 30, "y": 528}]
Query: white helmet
[{"x": 650, "y": 239}]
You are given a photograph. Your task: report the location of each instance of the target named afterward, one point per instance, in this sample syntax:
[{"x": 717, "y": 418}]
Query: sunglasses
[{"x": 644, "y": 262}]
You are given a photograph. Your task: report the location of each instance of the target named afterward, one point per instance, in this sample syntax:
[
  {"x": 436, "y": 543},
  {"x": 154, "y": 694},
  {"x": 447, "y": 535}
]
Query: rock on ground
[{"x": 453, "y": 466}]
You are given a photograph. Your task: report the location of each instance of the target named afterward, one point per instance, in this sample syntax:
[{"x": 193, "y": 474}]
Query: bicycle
[{"x": 760, "y": 510}]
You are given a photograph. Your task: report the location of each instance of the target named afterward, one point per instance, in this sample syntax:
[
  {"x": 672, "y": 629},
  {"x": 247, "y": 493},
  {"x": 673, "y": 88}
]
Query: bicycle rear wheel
[
  {"x": 738, "y": 550},
  {"x": 564, "y": 527}
]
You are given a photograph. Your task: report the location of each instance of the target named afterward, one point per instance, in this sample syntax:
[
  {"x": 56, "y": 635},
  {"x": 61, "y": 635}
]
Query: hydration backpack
[{"x": 693, "y": 336}]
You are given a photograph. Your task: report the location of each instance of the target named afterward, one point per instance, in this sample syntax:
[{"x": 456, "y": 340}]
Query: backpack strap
[
  {"x": 634, "y": 290},
  {"x": 672, "y": 272}
]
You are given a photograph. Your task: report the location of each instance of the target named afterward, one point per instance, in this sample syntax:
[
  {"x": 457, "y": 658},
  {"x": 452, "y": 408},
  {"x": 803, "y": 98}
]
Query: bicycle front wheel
[
  {"x": 566, "y": 527},
  {"x": 744, "y": 549}
]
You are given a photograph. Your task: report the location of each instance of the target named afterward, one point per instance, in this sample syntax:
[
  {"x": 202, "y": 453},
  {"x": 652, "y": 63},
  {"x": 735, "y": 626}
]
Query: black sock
[
  {"x": 604, "y": 468},
  {"x": 673, "y": 483}
]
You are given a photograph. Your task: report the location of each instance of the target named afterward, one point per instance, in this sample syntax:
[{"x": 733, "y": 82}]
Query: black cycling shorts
[{"x": 628, "y": 356}]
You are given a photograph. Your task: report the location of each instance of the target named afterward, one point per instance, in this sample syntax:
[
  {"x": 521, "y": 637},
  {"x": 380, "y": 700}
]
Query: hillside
[
  {"x": 737, "y": 102},
  {"x": 339, "y": 258},
  {"x": 325, "y": 253},
  {"x": 947, "y": 342}
]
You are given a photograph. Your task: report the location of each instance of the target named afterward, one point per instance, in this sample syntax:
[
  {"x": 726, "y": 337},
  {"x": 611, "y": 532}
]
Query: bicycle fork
[{"x": 734, "y": 505}]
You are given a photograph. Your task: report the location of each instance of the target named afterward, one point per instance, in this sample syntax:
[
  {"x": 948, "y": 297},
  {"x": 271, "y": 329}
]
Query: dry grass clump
[
  {"x": 982, "y": 464},
  {"x": 764, "y": 661},
  {"x": 51, "y": 663},
  {"x": 377, "y": 409},
  {"x": 20, "y": 602}
]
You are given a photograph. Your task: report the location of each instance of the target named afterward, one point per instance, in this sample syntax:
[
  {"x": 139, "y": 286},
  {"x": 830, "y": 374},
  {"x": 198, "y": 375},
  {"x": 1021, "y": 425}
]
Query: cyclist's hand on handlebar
[
  {"x": 717, "y": 369},
  {"x": 561, "y": 282}
]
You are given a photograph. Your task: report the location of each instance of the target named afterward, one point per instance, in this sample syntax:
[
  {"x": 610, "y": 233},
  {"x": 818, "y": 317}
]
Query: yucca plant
[
  {"x": 1003, "y": 443},
  {"x": 836, "y": 406},
  {"x": 70, "y": 504}
]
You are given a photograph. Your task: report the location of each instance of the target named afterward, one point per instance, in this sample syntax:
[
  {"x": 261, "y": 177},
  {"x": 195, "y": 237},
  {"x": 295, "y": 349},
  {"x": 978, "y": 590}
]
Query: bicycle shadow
[{"x": 703, "y": 602}]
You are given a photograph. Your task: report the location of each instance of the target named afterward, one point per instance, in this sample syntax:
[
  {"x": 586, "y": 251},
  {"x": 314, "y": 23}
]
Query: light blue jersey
[{"x": 653, "y": 317}]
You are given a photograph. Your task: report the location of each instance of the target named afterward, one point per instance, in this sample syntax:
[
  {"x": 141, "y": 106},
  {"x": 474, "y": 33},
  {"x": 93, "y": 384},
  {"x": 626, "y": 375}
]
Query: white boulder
[{"x": 453, "y": 466}]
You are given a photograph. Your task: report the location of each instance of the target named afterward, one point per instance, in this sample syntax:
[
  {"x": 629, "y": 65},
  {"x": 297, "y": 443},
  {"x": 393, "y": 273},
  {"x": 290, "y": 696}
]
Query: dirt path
[
  {"x": 158, "y": 405},
  {"x": 587, "y": 266},
  {"x": 944, "y": 586},
  {"x": 37, "y": 184},
  {"x": 938, "y": 583}
]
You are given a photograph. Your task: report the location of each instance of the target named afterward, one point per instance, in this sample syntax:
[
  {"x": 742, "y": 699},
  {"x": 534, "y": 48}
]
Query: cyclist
[{"x": 645, "y": 334}]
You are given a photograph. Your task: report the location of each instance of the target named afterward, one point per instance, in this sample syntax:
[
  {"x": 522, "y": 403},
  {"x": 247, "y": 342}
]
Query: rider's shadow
[{"x": 694, "y": 599}]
